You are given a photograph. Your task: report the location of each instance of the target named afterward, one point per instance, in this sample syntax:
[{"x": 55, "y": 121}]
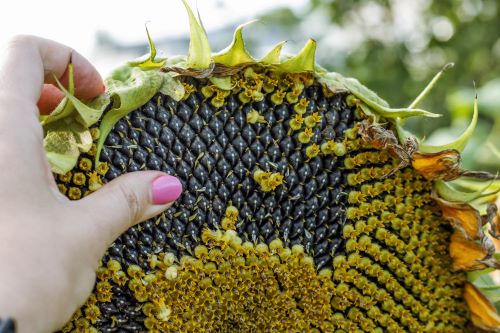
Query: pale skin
[{"x": 50, "y": 247}]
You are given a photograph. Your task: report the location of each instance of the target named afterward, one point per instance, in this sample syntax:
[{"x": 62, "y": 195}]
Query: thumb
[{"x": 126, "y": 201}]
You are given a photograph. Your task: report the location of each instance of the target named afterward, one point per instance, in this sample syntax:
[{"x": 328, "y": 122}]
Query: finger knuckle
[
  {"x": 133, "y": 202},
  {"x": 20, "y": 40}
]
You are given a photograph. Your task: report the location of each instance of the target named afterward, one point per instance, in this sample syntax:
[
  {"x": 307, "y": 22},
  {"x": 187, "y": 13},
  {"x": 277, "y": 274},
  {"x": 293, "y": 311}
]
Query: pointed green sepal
[
  {"x": 65, "y": 107},
  {"x": 372, "y": 101},
  {"x": 86, "y": 115},
  {"x": 273, "y": 57},
  {"x": 199, "y": 55},
  {"x": 430, "y": 85},
  {"x": 459, "y": 143},
  {"x": 151, "y": 62},
  {"x": 236, "y": 53},
  {"x": 450, "y": 193},
  {"x": 303, "y": 61},
  {"x": 402, "y": 113},
  {"x": 404, "y": 134}
]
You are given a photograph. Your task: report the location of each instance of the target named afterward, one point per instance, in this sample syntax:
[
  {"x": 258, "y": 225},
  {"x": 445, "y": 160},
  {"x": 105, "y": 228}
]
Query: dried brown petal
[
  {"x": 199, "y": 73},
  {"x": 385, "y": 139},
  {"x": 444, "y": 165},
  {"x": 483, "y": 313},
  {"x": 463, "y": 217},
  {"x": 213, "y": 70},
  {"x": 467, "y": 255},
  {"x": 376, "y": 135}
]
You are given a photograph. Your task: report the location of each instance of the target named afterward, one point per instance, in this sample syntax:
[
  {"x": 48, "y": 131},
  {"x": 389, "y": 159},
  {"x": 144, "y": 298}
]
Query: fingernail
[
  {"x": 166, "y": 189},
  {"x": 103, "y": 88}
]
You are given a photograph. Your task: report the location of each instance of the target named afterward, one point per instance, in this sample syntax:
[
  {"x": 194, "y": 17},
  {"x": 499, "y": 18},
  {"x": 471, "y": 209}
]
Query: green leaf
[
  {"x": 199, "y": 55},
  {"x": 480, "y": 275},
  {"x": 63, "y": 110},
  {"x": 303, "y": 61},
  {"x": 387, "y": 112},
  {"x": 236, "y": 53},
  {"x": 367, "y": 111},
  {"x": 492, "y": 292},
  {"x": 273, "y": 57},
  {"x": 130, "y": 88},
  {"x": 335, "y": 81},
  {"x": 448, "y": 192},
  {"x": 483, "y": 280},
  {"x": 87, "y": 115},
  {"x": 364, "y": 93},
  {"x": 459, "y": 143}
]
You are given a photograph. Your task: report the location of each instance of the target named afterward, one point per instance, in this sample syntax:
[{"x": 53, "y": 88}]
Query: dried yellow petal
[
  {"x": 463, "y": 217},
  {"x": 444, "y": 165},
  {"x": 483, "y": 313},
  {"x": 467, "y": 255}
]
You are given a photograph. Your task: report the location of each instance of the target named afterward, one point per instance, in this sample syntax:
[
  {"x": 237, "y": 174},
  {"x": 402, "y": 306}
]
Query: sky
[{"x": 75, "y": 23}]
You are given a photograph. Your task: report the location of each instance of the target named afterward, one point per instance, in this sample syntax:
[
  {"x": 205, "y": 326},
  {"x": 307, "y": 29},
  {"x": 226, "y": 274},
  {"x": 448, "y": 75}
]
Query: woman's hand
[{"x": 49, "y": 246}]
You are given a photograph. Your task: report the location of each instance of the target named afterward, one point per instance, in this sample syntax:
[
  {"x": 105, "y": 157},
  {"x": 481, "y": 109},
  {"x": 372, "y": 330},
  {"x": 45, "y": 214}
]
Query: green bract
[
  {"x": 236, "y": 53},
  {"x": 199, "y": 47},
  {"x": 459, "y": 143}
]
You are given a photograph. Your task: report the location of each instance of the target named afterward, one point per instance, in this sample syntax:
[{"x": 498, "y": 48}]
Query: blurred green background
[{"x": 395, "y": 48}]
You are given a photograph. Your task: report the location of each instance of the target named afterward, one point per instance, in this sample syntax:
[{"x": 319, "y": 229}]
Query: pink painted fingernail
[{"x": 166, "y": 189}]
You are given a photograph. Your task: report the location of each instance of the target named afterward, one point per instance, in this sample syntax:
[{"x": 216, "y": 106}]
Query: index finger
[
  {"x": 30, "y": 61},
  {"x": 26, "y": 64}
]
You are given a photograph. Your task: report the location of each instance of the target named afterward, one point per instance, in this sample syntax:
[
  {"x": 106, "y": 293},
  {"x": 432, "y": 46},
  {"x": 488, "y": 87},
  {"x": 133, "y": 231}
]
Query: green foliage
[{"x": 396, "y": 60}]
